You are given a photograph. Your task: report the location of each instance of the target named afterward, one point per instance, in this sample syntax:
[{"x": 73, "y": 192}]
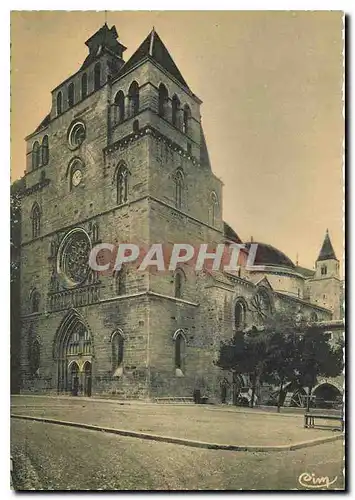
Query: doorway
[{"x": 87, "y": 379}]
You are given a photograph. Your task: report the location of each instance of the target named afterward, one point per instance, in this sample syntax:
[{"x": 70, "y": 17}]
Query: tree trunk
[
  {"x": 280, "y": 395},
  {"x": 309, "y": 397},
  {"x": 253, "y": 390}
]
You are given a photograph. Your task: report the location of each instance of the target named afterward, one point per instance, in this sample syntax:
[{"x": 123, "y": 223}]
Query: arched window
[
  {"x": 97, "y": 76},
  {"x": 84, "y": 85},
  {"x": 36, "y": 155},
  {"x": 133, "y": 97},
  {"x": 117, "y": 344},
  {"x": 119, "y": 107},
  {"x": 175, "y": 107},
  {"x": 178, "y": 284},
  {"x": 34, "y": 356},
  {"x": 239, "y": 315},
  {"x": 120, "y": 281},
  {"x": 179, "y": 185},
  {"x": 163, "y": 99},
  {"x": 35, "y": 301},
  {"x": 180, "y": 349},
  {"x": 186, "y": 119},
  {"x": 323, "y": 270},
  {"x": 45, "y": 150},
  {"x": 36, "y": 220},
  {"x": 71, "y": 94},
  {"x": 213, "y": 208},
  {"x": 314, "y": 316},
  {"x": 136, "y": 126},
  {"x": 59, "y": 103},
  {"x": 122, "y": 184}
]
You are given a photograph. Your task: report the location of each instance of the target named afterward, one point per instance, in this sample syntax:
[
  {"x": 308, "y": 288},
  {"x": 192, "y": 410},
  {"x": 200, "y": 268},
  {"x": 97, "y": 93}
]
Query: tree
[
  {"x": 317, "y": 358},
  {"x": 246, "y": 353},
  {"x": 15, "y": 247}
]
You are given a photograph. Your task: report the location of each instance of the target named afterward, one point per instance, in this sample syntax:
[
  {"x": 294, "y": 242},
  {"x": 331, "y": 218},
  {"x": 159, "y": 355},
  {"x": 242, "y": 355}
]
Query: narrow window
[
  {"x": 121, "y": 281},
  {"x": 122, "y": 185},
  {"x": 59, "y": 103},
  {"x": 179, "y": 184},
  {"x": 133, "y": 96},
  {"x": 36, "y": 221},
  {"x": 186, "y": 119},
  {"x": 324, "y": 270},
  {"x": 97, "y": 76},
  {"x": 71, "y": 95},
  {"x": 180, "y": 346},
  {"x": 178, "y": 282},
  {"x": 45, "y": 150},
  {"x": 175, "y": 111},
  {"x": 117, "y": 350},
  {"x": 34, "y": 356},
  {"x": 119, "y": 107},
  {"x": 35, "y": 301},
  {"x": 84, "y": 85},
  {"x": 239, "y": 316},
  {"x": 213, "y": 208},
  {"x": 163, "y": 99},
  {"x": 36, "y": 155}
]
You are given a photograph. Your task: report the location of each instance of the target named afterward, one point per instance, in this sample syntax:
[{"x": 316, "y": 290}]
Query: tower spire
[{"x": 327, "y": 250}]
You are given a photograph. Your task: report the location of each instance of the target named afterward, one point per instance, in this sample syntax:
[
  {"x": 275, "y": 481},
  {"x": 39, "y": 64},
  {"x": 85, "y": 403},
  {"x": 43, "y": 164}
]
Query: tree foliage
[{"x": 285, "y": 350}]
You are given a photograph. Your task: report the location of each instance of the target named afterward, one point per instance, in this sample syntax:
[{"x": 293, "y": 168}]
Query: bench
[{"x": 309, "y": 419}]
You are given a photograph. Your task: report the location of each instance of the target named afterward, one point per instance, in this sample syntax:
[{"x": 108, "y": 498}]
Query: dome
[{"x": 267, "y": 255}]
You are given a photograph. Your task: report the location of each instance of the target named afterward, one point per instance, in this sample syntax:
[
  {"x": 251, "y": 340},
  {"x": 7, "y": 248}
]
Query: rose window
[
  {"x": 74, "y": 255},
  {"x": 77, "y": 135}
]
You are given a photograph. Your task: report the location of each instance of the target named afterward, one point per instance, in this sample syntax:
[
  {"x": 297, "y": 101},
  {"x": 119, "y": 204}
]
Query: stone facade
[{"x": 143, "y": 177}]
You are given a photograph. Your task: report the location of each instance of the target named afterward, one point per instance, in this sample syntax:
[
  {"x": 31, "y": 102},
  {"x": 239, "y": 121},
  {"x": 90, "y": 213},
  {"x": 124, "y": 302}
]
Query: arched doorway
[
  {"x": 327, "y": 395},
  {"x": 87, "y": 378},
  {"x": 74, "y": 378},
  {"x": 73, "y": 352}
]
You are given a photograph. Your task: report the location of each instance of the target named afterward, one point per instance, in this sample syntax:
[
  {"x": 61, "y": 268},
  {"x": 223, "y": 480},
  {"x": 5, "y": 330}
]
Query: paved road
[{"x": 52, "y": 457}]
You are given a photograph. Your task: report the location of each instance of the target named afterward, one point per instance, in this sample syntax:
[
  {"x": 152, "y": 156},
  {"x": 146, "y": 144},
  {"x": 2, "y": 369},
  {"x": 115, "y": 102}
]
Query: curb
[{"x": 182, "y": 441}]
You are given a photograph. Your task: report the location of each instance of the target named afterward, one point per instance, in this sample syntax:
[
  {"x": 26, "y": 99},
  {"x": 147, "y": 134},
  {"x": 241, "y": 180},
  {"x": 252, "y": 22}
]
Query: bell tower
[{"x": 325, "y": 286}]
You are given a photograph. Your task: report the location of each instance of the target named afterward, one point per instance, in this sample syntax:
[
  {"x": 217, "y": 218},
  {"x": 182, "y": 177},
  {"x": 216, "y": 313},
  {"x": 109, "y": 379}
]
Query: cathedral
[{"x": 122, "y": 156}]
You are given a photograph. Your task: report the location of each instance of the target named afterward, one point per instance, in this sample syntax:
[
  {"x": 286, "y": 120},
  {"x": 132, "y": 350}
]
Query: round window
[
  {"x": 76, "y": 135},
  {"x": 73, "y": 257}
]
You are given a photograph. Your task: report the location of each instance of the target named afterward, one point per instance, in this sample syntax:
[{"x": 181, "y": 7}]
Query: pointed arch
[
  {"x": 59, "y": 103},
  {"x": 36, "y": 155},
  {"x": 71, "y": 92},
  {"x": 186, "y": 119},
  {"x": 119, "y": 107},
  {"x": 163, "y": 99},
  {"x": 84, "y": 85},
  {"x": 97, "y": 76},
  {"x": 175, "y": 108},
  {"x": 179, "y": 282},
  {"x": 121, "y": 181},
  {"x": 72, "y": 322},
  {"x": 133, "y": 98},
  {"x": 213, "y": 208},
  {"x": 45, "y": 150},
  {"x": 239, "y": 314},
  {"x": 179, "y": 186},
  {"x": 35, "y": 300},
  {"x": 179, "y": 349},
  {"x": 117, "y": 349},
  {"x": 36, "y": 220}
]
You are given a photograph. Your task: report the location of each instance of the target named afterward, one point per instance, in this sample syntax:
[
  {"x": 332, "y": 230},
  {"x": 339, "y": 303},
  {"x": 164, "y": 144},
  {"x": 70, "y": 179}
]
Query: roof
[
  {"x": 230, "y": 234},
  {"x": 267, "y": 255},
  {"x": 307, "y": 273},
  {"x": 153, "y": 48},
  {"x": 327, "y": 250},
  {"x": 104, "y": 38}
]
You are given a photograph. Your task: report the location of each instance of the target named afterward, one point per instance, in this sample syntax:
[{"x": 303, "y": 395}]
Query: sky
[{"x": 271, "y": 85}]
